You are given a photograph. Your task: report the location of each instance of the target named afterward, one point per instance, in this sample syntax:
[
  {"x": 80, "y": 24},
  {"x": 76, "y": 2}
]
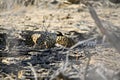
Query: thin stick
[
  {"x": 87, "y": 65},
  {"x": 33, "y": 70},
  {"x": 81, "y": 42}
]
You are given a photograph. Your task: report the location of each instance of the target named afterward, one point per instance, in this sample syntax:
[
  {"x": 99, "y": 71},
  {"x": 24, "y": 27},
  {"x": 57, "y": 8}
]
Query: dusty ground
[{"x": 64, "y": 17}]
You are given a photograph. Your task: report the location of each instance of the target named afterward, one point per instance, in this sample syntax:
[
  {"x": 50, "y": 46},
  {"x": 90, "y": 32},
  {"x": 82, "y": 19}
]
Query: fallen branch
[{"x": 113, "y": 39}]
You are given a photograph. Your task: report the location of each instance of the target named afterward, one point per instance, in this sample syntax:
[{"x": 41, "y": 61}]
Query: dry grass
[{"x": 65, "y": 67}]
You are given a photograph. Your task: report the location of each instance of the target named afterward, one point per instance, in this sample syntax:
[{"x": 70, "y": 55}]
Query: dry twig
[{"x": 33, "y": 70}]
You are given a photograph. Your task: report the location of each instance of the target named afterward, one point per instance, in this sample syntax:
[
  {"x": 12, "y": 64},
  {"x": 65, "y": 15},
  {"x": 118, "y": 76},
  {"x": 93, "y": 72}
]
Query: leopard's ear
[{"x": 59, "y": 33}]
